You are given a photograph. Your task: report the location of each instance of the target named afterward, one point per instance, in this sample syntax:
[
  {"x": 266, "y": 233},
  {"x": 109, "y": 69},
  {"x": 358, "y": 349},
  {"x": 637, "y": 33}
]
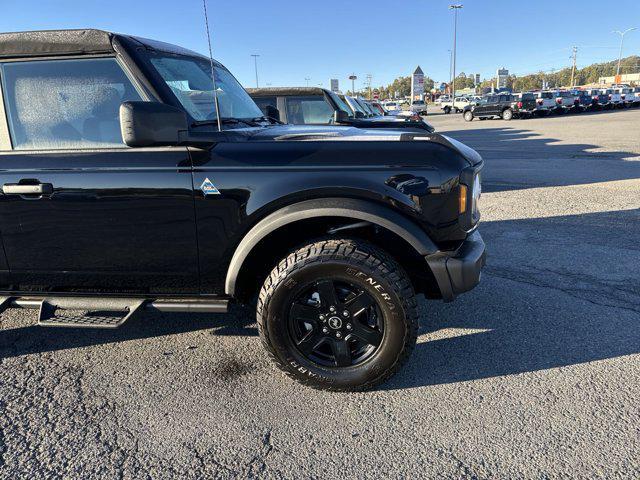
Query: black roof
[
  {"x": 268, "y": 91},
  {"x": 73, "y": 42}
]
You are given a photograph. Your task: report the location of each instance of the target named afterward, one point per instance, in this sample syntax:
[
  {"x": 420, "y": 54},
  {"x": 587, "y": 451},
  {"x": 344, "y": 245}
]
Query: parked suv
[
  {"x": 129, "y": 183},
  {"x": 504, "y": 106},
  {"x": 319, "y": 106}
]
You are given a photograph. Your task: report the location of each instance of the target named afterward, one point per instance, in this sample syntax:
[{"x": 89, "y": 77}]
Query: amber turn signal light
[{"x": 462, "y": 200}]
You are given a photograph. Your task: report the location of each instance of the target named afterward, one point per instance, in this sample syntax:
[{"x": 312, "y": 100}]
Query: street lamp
[
  {"x": 622, "y": 34},
  {"x": 353, "y": 79},
  {"x": 255, "y": 63},
  {"x": 455, "y": 9}
]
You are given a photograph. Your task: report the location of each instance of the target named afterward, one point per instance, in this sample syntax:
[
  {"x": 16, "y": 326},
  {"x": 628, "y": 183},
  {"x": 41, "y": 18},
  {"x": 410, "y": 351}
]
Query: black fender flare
[{"x": 356, "y": 209}]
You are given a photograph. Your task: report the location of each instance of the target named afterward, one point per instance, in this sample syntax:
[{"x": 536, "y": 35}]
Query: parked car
[
  {"x": 125, "y": 189},
  {"x": 627, "y": 96},
  {"x": 615, "y": 99},
  {"x": 504, "y": 106},
  {"x": 320, "y": 106},
  {"x": 565, "y": 100},
  {"x": 599, "y": 100},
  {"x": 419, "y": 107},
  {"x": 449, "y": 106},
  {"x": 584, "y": 100},
  {"x": 545, "y": 102}
]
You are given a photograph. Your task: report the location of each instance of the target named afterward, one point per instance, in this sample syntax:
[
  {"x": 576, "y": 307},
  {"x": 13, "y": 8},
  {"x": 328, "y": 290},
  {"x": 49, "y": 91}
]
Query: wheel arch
[{"x": 284, "y": 225}]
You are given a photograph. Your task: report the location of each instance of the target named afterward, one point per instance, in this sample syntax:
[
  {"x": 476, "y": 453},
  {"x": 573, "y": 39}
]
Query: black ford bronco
[{"x": 123, "y": 190}]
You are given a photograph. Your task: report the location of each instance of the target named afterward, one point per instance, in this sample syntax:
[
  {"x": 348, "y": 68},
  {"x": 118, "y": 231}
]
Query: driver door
[{"x": 78, "y": 209}]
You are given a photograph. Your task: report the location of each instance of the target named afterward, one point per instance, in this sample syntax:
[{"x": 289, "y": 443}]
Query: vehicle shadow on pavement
[
  {"x": 517, "y": 158},
  {"x": 538, "y": 306},
  {"x": 34, "y": 339}
]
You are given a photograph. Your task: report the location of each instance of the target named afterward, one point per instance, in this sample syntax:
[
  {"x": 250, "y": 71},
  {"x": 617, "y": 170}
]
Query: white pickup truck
[
  {"x": 545, "y": 102},
  {"x": 615, "y": 98},
  {"x": 447, "y": 106}
]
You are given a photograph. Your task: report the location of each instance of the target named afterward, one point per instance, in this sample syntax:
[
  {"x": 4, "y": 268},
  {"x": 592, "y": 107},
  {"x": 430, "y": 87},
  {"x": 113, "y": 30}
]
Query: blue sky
[{"x": 331, "y": 39}]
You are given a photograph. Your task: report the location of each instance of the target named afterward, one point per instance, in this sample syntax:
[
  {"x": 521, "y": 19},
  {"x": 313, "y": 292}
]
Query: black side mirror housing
[
  {"x": 152, "y": 124},
  {"x": 272, "y": 112},
  {"x": 340, "y": 116},
  {"x": 359, "y": 114}
]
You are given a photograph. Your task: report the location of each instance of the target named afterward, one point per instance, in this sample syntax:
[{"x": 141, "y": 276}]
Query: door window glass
[
  {"x": 264, "y": 102},
  {"x": 311, "y": 109},
  {"x": 60, "y": 104}
]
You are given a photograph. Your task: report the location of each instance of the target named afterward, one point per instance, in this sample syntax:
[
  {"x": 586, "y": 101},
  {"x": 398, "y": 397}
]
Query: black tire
[
  {"x": 468, "y": 115},
  {"x": 507, "y": 114},
  {"x": 447, "y": 110},
  {"x": 323, "y": 270}
]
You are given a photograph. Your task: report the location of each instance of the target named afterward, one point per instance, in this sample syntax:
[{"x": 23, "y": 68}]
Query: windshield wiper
[
  {"x": 225, "y": 121},
  {"x": 267, "y": 119}
]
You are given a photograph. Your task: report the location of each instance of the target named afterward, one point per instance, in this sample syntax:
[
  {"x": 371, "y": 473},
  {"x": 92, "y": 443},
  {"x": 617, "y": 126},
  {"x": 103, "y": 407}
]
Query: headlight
[{"x": 475, "y": 197}]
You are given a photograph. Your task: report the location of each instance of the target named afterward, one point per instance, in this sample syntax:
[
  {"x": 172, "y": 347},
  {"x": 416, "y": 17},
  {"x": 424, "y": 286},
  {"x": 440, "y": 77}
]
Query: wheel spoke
[
  {"x": 341, "y": 352},
  {"x": 367, "y": 334},
  {"x": 327, "y": 291},
  {"x": 310, "y": 341},
  {"x": 361, "y": 301},
  {"x": 305, "y": 313}
]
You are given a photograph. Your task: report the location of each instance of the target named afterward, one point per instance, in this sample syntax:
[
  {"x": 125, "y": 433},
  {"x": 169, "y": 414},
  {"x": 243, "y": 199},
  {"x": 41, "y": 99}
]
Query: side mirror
[
  {"x": 359, "y": 114},
  {"x": 340, "y": 116},
  {"x": 272, "y": 112},
  {"x": 152, "y": 124}
]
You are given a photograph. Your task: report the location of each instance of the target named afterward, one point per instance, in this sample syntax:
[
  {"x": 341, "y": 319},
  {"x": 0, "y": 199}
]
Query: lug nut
[
  {"x": 322, "y": 317},
  {"x": 345, "y": 314},
  {"x": 338, "y": 335},
  {"x": 325, "y": 330},
  {"x": 332, "y": 309},
  {"x": 349, "y": 327}
]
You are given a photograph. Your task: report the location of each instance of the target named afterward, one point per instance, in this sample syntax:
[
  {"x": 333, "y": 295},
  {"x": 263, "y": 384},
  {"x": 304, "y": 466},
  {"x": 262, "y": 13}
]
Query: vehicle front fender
[{"x": 355, "y": 209}]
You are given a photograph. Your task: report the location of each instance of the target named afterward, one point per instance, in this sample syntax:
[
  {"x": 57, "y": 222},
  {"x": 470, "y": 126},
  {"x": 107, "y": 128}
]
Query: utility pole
[
  {"x": 455, "y": 9},
  {"x": 622, "y": 34},
  {"x": 306, "y": 79},
  {"x": 450, "y": 67},
  {"x": 255, "y": 63},
  {"x": 573, "y": 68},
  {"x": 369, "y": 77}
]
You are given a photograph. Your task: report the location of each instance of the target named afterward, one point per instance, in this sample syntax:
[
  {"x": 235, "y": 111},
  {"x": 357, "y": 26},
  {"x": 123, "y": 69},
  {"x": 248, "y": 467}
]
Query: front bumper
[{"x": 459, "y": 271}]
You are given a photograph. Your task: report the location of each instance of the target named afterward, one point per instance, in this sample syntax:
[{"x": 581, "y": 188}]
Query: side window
[
  {"x": 58, "y": 104},
  {"x": 263, "y": 102},
  {"x": 311, "y": 109}
]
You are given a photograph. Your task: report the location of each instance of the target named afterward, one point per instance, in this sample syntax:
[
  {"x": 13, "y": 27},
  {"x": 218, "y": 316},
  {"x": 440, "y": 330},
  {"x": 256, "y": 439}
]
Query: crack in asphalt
[{"x": 605, "y": 290}]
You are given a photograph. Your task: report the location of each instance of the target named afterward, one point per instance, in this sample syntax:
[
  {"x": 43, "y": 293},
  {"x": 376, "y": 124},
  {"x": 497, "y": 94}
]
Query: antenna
[{"x": 213, "y": 74}]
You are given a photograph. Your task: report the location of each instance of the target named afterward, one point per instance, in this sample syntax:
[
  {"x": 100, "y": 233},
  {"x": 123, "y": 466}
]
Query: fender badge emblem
[{"x": 208, "y": 188}]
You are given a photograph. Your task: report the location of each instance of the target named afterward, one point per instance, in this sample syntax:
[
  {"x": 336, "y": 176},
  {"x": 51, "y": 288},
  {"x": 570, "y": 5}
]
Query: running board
[{"x": 105, "y": 312}]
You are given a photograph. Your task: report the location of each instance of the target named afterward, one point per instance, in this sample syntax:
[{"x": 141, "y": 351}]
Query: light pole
[
  {"x": 255, "y": 63},
  {"x": 353, "y": 79},
  {"x": 455, "y": 9},
  {"x": 622, "y": 34},
  {"x": 306, "y": 79},
  {"x": 450, "y": 66}
]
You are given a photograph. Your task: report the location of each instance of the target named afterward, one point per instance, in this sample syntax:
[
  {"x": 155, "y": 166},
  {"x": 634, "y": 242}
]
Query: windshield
[
  {"x": 340, "y": 104},
  {"x": 355, "y": 105},
  {"x": 367, "y": 107},
  {"x": 189, "y": 78}
]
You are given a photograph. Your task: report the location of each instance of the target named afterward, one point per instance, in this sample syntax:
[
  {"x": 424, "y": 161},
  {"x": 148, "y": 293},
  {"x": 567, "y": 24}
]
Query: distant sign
[
  {"x": 353, "y": 77},
  {"x": 503, "y": 76},
  {"x": 417, "y": 84},
  {"x": 335, "y": 85},
  {"x": 443, "y": 87},
  {"x": 477, "y": 82}
]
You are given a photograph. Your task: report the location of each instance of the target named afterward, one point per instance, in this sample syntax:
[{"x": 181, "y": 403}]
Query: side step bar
[{"x": 105, "y": 312}]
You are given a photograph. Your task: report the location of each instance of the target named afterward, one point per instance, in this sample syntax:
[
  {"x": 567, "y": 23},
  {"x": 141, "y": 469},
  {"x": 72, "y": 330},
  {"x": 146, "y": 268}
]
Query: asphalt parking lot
[{"x": 534, "y": 374}]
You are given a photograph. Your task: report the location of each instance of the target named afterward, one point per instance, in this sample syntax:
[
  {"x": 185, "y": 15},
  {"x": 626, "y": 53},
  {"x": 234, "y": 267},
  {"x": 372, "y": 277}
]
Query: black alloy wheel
[{"x": 335, "y": 323}]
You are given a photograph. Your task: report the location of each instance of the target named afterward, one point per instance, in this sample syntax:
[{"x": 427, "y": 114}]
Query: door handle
[{"x": 25, "y": 189}]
